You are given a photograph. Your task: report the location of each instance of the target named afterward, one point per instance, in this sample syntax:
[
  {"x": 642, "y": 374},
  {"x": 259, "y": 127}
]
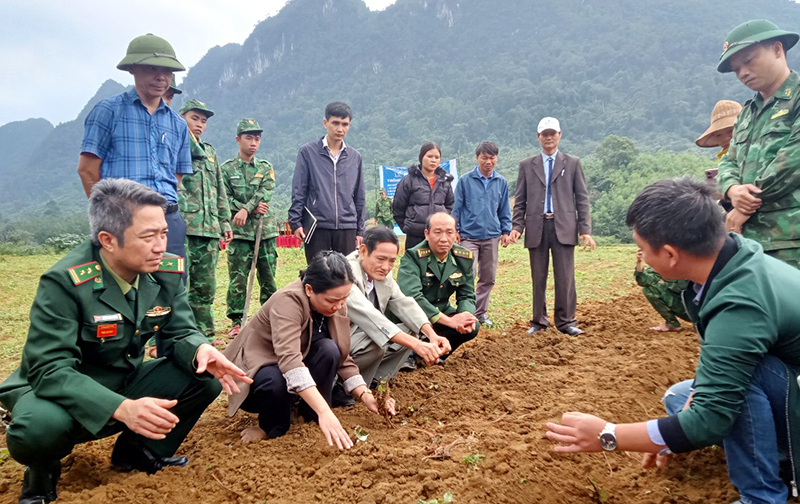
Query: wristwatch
[{"x": 608, "y": 437}]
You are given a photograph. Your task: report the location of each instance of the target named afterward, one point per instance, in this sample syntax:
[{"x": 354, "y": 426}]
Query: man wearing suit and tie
[{"x": 551, "y": 206}]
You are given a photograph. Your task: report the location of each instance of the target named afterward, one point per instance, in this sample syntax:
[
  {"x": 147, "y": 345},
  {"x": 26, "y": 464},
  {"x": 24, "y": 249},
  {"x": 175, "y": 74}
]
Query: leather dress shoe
[
  {"x": 39, "y": 484},
  {"x": 572, "y": 331},
  {"x": 535, "y": 328},
  {"x": 130, "y": 454}
]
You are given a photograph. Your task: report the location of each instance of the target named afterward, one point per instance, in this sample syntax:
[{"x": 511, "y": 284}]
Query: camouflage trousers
[
  {"x": 790, "y": 256},
  {"x": 203, "y": 254},
  {"x": 667, "y": 303},
  {"x": 240, "y": 258}
]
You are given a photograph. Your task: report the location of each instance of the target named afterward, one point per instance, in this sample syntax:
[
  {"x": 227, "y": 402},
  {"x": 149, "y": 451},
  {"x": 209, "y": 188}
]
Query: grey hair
[{"x": 113, "y": 203}]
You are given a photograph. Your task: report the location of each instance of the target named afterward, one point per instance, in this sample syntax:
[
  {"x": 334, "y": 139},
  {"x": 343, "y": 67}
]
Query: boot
[
  {"x": 39, "y": 483},
  {"x": 131, "y": 454}
]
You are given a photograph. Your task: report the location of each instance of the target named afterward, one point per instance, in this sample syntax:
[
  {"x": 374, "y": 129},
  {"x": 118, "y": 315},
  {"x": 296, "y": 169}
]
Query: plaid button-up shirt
[{"x": 149, "y": 149}]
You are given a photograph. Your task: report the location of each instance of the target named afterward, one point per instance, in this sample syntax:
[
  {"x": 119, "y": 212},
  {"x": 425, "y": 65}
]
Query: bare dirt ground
[{"x": 492, "y": 398}]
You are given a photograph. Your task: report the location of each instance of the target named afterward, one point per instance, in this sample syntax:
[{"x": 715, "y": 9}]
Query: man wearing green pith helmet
[
  {"x": 760, "y": 174},
  {"x": 250, "y": 183}
]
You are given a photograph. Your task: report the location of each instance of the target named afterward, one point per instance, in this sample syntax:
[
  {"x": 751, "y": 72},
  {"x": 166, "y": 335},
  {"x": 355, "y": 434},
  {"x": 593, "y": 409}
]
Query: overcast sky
[{"x": 55, "y": 55}]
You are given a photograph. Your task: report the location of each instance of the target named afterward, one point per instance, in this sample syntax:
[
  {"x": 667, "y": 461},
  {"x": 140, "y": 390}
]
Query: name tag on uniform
[
  {"x": 428, "y": 274},
  {"x": 780, "y": 114},
  {"x": 456, "y": 275},
  {"x": 158, "y": 311},
  {"x": 111, "y": 317},
  {"x": 259, "y": 175},
  {"x": 106, "y": 331}
]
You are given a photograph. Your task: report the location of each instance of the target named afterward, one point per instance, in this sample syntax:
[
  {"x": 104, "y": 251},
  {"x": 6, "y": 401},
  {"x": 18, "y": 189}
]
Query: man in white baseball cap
[{"x": 554, "y": 185}]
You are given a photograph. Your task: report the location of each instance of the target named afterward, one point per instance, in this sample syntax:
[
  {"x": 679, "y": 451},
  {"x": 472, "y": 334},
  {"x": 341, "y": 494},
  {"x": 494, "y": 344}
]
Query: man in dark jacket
[
  {"x": 329, "y": 183},
  {"x": 744, "y": 305}
]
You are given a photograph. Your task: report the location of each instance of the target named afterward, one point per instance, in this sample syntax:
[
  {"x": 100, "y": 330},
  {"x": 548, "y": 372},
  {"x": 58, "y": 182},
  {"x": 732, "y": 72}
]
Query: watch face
[{"x": 608, "y": 441}]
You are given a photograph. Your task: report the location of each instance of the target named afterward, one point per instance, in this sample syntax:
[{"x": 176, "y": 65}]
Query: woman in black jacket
[{"x": 424, "y": 191}]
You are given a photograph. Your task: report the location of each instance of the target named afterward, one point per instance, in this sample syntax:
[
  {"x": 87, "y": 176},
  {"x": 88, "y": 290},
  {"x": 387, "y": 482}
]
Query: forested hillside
[{"x": 456, "y": 72}]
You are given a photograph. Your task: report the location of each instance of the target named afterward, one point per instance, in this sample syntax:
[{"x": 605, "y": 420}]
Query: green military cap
[
  {"x": 749, "y": 33},
  {"x": 150, "y": 50},
  {"x": 195, "y": 104},
  {"x": 248, "y": 126},
  {"x": 174, "y": 86}
]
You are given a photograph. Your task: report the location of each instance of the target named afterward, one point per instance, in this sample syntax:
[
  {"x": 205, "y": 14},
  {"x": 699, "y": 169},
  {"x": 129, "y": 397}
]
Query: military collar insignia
[
  {"x": 788, "y": 92},
  {"x": 462, "y": 252},
  {"x": 84, "y": 272},
  {"x": 172, "y": 264},
  {"x": 423, "y": 252},
  {"x": 272, "y": 174},
  {"x": 158, "y": 311}
]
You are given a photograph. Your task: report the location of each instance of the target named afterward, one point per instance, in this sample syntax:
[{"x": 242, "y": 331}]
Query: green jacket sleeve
[
  {"x": 179, "y": 336},
  {"x": 647, "y": 277},
  {"x": 51, "y": 356},
  {"x": 265, "y": 188},
  {"x": 223, "y": 202},
  {"x": 782, "y": 176},
  {"x": 409, "y": 278},
  {"x": 728, "y": 173},
  {"x": 735, "y": 341},
  {"x": 465, "y": 293}
]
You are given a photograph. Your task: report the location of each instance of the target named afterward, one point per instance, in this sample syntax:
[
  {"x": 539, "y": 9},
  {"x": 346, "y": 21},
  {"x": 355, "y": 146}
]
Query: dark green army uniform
[
  {"x": 664, "y": 295},
  {"x": 431, "y": 283},
  {"x": 765, "y": 151},
  {"x": 248, "y": 184},
  {"x": 383, "y": 211},
  {"x": 84, "y": 356},
  {"x": 203, "y": 202}
]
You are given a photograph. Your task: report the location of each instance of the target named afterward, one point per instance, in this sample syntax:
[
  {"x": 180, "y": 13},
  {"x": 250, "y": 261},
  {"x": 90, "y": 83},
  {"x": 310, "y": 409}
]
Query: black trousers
[
  {"x": 455, "y": 338},
  {"x": 270, "y": 399},
  {"x": 176, "y": 237},
  {"x": 340, "y": 240}
]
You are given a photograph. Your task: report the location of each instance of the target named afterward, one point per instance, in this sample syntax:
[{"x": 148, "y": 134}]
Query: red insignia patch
[{"x": 106, "y": 330}]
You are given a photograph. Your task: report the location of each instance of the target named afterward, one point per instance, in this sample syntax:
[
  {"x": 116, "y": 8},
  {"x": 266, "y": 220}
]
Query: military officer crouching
[
  {"x": 82, "y": 376},
  {"x": 432, "y": 271}
]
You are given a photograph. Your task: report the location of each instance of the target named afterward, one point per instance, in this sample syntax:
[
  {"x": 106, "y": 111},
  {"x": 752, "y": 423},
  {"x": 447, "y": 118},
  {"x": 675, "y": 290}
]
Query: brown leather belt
[{"x": 548, "y": 216}]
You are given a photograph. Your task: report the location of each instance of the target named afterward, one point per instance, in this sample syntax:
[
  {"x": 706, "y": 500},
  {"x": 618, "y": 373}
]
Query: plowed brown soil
[{"x": 491, "y": 398}]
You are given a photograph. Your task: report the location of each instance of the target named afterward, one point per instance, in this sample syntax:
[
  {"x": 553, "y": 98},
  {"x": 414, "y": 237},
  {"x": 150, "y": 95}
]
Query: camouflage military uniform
[
  {"x": 765, "y": 151},
  {"x": 247, "y": 185},
  {"x": 664, "y": 295},
  {"x": 383, "y": 211},
  {"x": 203, "y": 203}
]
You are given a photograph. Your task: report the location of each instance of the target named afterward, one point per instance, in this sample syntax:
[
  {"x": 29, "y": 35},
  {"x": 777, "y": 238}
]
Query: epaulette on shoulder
[
  {"x": 423, "y": 252},
  {"x": 82, "y": 273},
  {"x": 462, "y": 252},
  {"x": 171, "y": 264}
]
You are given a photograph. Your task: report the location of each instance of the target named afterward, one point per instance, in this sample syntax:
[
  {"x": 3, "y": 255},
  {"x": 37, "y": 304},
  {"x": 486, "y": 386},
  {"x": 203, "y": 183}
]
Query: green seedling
[
  {"x": 361, "y": 434},
  {"x": 600, "y": 495},
  {"x": 532, "y": 365},
  {"x": 472, "y": 461}
]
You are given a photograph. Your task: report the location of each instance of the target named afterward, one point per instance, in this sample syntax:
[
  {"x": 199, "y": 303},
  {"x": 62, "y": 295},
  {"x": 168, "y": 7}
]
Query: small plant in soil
[
  {"x": 532, "y": 365},
  {"x": 447, "y": 499},
  {"x": 472, "y": 461},
  {"x": 383, "y": 395},
  {"x": 361, "y": 434}
]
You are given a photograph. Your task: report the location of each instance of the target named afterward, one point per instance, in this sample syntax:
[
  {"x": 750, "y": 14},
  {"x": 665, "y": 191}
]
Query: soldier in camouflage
[
  {"x": 383, "y": 210},
  {"x": 760, "y": 174},
  {"x": 250, "y": 183},
  {"x": 203, "y": 202},
  {"x": 664, "y": 295}
]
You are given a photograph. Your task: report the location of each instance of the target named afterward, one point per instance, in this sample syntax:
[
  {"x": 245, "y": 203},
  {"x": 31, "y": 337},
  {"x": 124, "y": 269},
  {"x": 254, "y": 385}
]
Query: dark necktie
[
  {"x": 131, "y": 297},
  {"x": 548, "y": 196},
  {"x": 373, "y": 296}
]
